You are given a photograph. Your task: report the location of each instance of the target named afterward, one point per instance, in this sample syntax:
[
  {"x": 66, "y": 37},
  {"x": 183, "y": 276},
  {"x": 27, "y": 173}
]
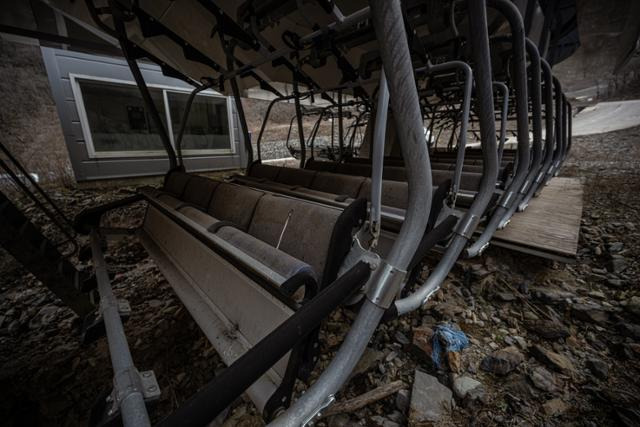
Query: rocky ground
[{"x": 549, "y": 343}]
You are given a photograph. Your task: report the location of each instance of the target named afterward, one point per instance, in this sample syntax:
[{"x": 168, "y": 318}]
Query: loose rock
[
  {"x": 463, "y": 385},
  {"x": 501, "y": 362},
  {"x": 430, "y": 400},
  {"x": 552, "y": 359}
]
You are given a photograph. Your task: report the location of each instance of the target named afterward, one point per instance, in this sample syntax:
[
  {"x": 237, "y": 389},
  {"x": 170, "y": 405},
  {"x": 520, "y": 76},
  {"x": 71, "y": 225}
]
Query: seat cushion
[
  {"x": 279, "y": 261},
  {"x": 337, "y": 183},
  {"x": 234, "y": 203}
]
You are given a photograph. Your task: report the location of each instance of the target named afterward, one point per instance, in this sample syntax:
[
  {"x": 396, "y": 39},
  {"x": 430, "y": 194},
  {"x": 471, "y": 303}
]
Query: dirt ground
[{"x": 587, "y": 313}]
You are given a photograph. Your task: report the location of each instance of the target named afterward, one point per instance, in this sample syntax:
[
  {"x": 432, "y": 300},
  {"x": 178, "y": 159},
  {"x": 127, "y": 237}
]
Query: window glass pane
[
  {"x": 118, "y": 119},
  {"x": 208, "y": 124}
]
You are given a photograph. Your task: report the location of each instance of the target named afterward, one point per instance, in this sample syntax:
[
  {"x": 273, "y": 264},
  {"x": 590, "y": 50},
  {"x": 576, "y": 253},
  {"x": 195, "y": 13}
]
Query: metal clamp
[
  {"x": 507, "y": 199},
  {"x": 385, "y": 284},
  {"x": 318, "y": 412},
  {"x": 131, "y": 381},
  {"x": 467, "y": 226}
]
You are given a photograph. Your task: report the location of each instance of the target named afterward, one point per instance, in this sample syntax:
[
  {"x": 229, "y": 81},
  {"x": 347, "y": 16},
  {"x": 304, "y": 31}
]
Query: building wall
[
  {"x": 60, "y": 64},
  {"x": 29, "y": 124}
]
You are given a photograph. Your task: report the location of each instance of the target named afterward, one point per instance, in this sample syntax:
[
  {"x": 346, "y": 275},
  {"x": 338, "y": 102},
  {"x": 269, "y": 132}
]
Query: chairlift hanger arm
[
  {"x": 126, "y": 45},
  {"x": 513, "y": 17},
  {"x": 477, "y": 12}
]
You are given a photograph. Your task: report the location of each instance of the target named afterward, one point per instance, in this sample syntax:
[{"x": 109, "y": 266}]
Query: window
[
  {"x": 115, "y": 122},
  {"x": 117, "y": 118},
  {"x": 207, "y": 127}
]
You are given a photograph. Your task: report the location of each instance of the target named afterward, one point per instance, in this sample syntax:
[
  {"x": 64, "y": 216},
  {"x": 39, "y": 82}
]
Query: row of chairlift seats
[
  {"x": 291, "y": 247},
  {"x": 344, "y": 181}
]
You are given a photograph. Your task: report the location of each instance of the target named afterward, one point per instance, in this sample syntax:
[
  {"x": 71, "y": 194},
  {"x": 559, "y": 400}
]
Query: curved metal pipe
[
  {"x": 394, "y": 50},
  {"x": 512, "y": 14},
  {"x": 536, "y": 110},
  {"x": 377, "y": 158},
  {"x": 264, "y": 124},
  {"x": 549, "y": 137},
  {"x": 303, "y": 146},
  {"x": 466, "y": 71},
  {"x": 485, "y": 107},
  {"x": 567, "y": 128},
  {"x": 557, "y": 154},
  {"x": 504, "y": 115}
]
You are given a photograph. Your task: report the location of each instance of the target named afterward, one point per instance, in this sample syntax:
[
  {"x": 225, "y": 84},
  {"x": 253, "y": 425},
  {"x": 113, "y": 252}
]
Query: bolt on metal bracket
[{"x": 132, "y": 381}]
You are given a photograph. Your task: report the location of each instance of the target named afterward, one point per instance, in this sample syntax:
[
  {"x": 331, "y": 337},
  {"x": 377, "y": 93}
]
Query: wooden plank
[{"x": 551, "y": 223}]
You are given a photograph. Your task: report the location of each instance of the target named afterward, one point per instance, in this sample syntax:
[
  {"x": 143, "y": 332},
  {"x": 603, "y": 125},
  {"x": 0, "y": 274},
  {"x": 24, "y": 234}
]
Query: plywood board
[{"x": 551, "y": 223}]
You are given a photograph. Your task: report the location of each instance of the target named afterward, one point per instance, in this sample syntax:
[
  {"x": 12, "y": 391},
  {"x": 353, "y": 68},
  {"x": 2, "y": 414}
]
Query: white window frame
[{"x": 86, "y": 130}]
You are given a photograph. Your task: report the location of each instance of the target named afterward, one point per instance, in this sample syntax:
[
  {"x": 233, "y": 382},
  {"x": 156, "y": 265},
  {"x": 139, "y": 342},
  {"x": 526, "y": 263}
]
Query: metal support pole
[
  {"x": 243, "y": 121},
  {"x": 536, "y": 107},
  {"x": 466, "y": 71},
  {"x": 548, "y": 150},
  {"x": 512, "y": 14},
  {"x": 303, "y": 147},
  {"x": 262, "y": 127},
  {"x": 557, "y": 154},
  {"x": 385, "y": 284},
  {"x": 377, "y": 159},
  {"x": 185, "y": 119},
  {"x": 121, "y": 31},
  {"x": 485, "y": 110},
  {"x": 569, "y": 127},
  {"x": 126, "y": 383},
  {"x": 504, "y": 115},
  {"x": 340, "y": 127}
]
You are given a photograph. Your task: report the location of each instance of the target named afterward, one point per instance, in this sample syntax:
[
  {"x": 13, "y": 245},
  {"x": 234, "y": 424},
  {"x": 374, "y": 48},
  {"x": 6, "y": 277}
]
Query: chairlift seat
[{"x": 242, "y": 260}]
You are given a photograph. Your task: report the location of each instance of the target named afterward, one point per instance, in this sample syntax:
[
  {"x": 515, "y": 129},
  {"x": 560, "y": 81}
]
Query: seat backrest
[
  {"x": 316, "y": 234},
  {"x": 259, "y": 170},
  {"x": 199, "y": 190},
  {"x": 175, "y": 183},
  {"x": 234, "y": 203},
  {"x": 321, "y": 165},
  {"x": 295, "y": 176},
  {"x": 394, "y": 193},
  {"x": 337, "y": 184},
  {"x": 394, "y": 173},
  {"x": 358, "y": 169}
]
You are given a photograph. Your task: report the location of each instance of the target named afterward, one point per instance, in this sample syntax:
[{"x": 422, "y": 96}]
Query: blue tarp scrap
[{"x": 452, "y": 340}]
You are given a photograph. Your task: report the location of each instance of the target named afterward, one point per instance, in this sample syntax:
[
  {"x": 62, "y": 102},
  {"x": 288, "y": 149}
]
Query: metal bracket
[
  {"x": 358, "y": 253},
  {"x": 132, "y": 381},
  {"x": 467, "y": 226},
  {"x": 506, "y": 200},
  {"x": 384, "y": 285},
  {"x": 318, "y": 412}
]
